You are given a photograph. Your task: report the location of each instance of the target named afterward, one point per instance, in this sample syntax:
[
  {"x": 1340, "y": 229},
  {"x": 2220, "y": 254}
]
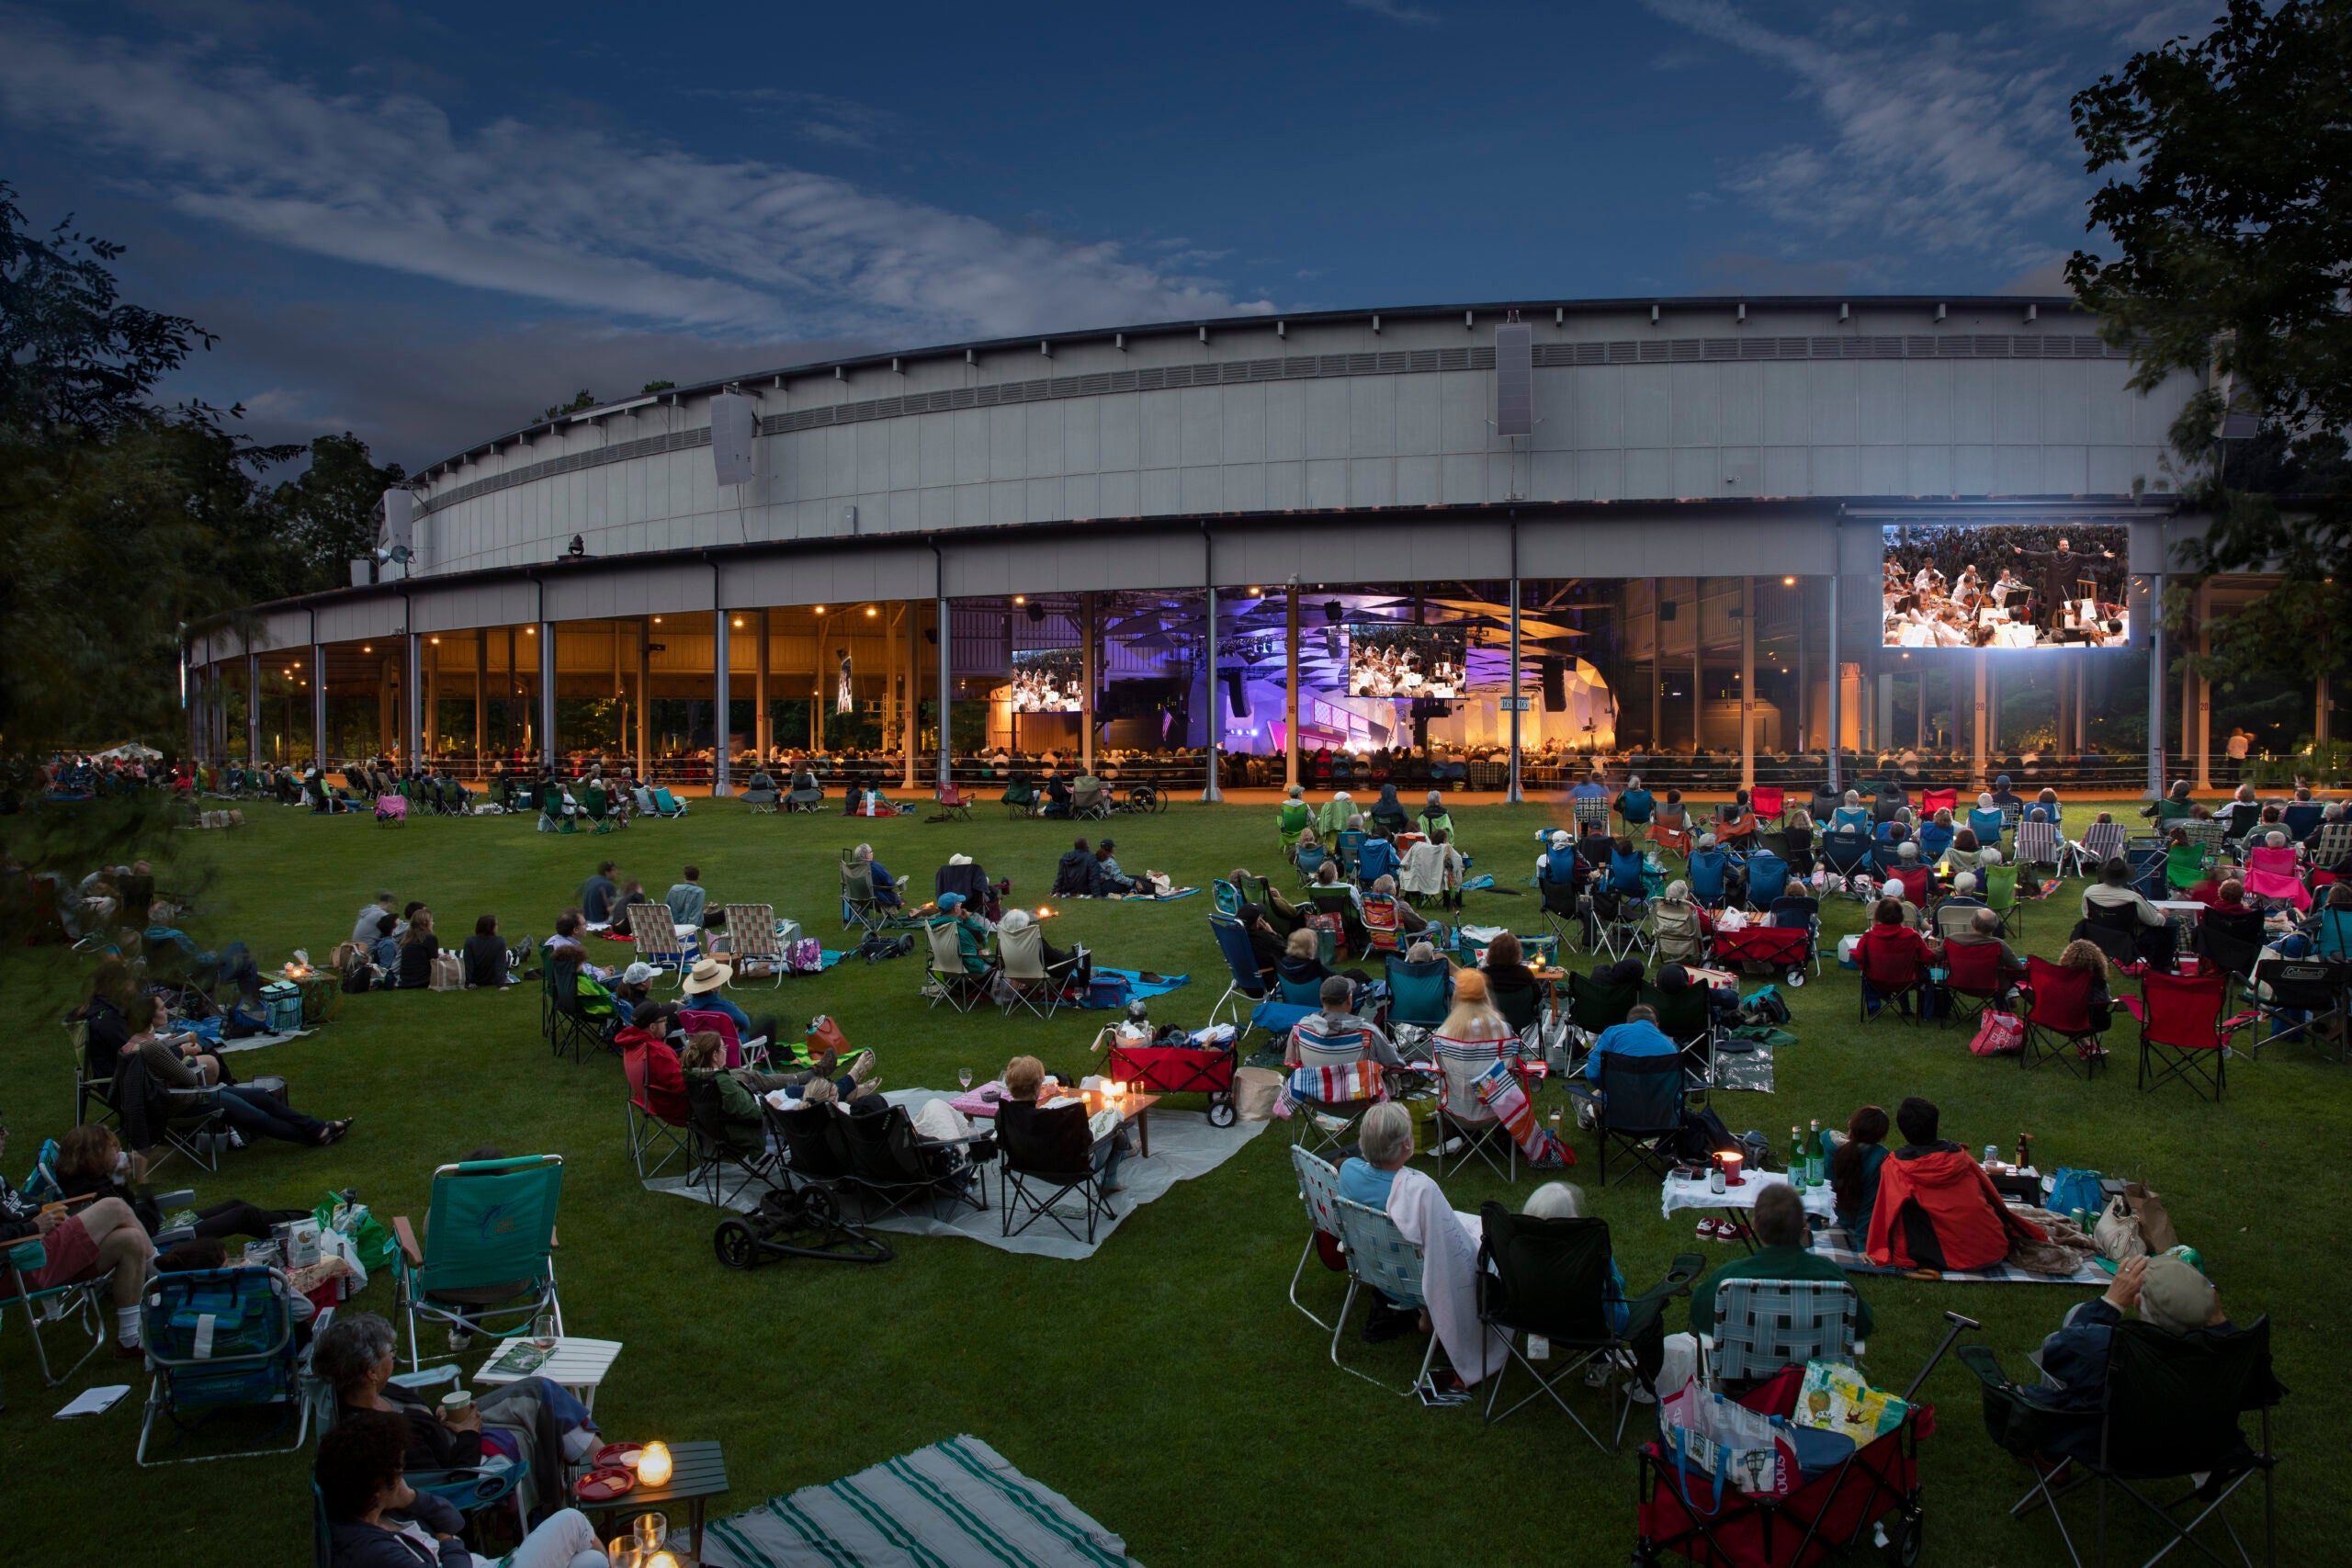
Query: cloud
[
  {"x": 1938, "y": 142},
  {"x": 819, "y": 117},
  {"x": 1396, "y": 11},
  {"x": 577, "y": 218}
]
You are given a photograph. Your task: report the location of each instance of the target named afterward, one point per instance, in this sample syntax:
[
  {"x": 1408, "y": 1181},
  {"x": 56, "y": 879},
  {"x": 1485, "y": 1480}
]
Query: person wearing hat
[
  {"x": 1557, "y": 863},
  {"x": 2171, "y": 1296},
  {"x": 1109, "y": 880},
  {"x": 971, "y": 932},
  {"x": 701, "y": 990},
  {"x": 634, "y": 984},
  {"x": 1332, "y": 820},
  {"x": 962, "y": 874}
]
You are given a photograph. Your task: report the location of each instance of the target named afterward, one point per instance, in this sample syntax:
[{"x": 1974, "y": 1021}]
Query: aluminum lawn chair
[{"x": 486, "y": 1264}]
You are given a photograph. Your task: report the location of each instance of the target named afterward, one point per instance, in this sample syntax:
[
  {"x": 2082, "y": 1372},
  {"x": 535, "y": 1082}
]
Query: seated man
[
  {"x": 972, "y": 932},
  {"x": 2170, "y": 1293},
  {"x": 686, "y": 898},
  {"x": 103, "y": 1241},
  {"x": 1434, "y": 819},
  {"x": 1074, "y": 874},
  {"x": 1639, "y": 1035},
  {"x": 596, "y": 895},
  {"x": 1983, "y": 929},
  {"x": 1294, "y": 817},
  {"x": 1337, "y": 1023},
  {"x": 1936, "y": 1209},
  {"x": 1636, "y": 805},
  {"x": 1781, "y": 1254},
  {"x": 2113, "y": 898},
  {"x": 887, "y": 892},
  {"x": 1432, "y": 869}
]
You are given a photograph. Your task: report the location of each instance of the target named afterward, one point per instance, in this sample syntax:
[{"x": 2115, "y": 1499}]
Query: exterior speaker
[
  {"x": 1237, "y": 695},
  {"x": 1665, "y": 609},
  {"x": 1555, "y": 685},
  {"x": 400, "y": 519},
  {"x": 731, "y": 437},
  {"x": 362, "y": 572},
  {"x": 1514, "y": 380}
]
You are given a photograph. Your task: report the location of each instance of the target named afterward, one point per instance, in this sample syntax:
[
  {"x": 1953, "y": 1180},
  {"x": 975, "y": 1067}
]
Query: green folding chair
[
  {"x": 2001, "y": 897},
  {"x": 487, "y": 1265}
]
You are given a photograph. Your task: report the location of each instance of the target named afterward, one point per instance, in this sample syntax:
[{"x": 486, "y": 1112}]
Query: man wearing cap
[
  {"x": 2171, "y": 1296},
  {"x": 1558, "y": 862},
  {"x": 1296, "y": 817},
  {"x": 971, "y": 932}
]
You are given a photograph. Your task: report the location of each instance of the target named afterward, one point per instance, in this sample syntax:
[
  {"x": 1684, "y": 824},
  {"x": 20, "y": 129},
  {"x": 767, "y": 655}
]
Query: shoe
[
  {"x": 460, "y": 1340},
  {"x": 1596, "y": 1375},
  {"x": 1639, "y": 1395},
  {"x": 861, "y": 1069},
  {"x": 1707, "y": 1230},
  {"x": 871, "y": 1086},
  {"x": 1730, "y": 1231},
  {"x": 130, "y": 1352},
  {"x": 822, "y": 1068}
]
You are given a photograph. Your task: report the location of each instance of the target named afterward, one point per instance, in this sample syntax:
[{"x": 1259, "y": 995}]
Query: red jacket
[
  {"x": 1936, "y": 1209},
  {"x": 655, "y": 1080},
  {"x": 1895, "y": 953}
]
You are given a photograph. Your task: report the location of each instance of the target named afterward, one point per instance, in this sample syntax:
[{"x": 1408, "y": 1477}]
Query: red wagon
[
  {"x": 1785, "y": 948},
  {"x": 1179, "y": 1069},
  {"x": 1873, "y": 1495}
]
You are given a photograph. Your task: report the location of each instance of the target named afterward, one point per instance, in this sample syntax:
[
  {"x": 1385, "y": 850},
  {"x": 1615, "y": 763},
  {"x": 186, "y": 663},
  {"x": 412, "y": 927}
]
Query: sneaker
[
  {"x": 1730, "y": 1231},
  {"x": 460, "y": 1340},
  {"x": 1639, "y": 1395},
  {"x": 1707, "y": 1230}
]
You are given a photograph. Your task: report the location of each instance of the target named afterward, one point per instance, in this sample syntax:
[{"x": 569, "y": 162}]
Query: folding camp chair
[
  {"x": 568, "y": 1026},
  {"x": 88, "y": 1086},
  {"x": 2038, "y": 844},
  {"x": 1318, "y": 1190},
  {"x": 1348, "y": 847},
  {"x": 1418, "y": 994},
  {"x": 555, "y": 811},
  {"x": 2230, "y": 942},
  {"x": 1310, "y": 859},
  {"x": 1088, "y": 800},
  {"x": 1224, "y": 897},
  {"x": 1379, "y": 1259},
  {"x": 1589, "y": 812},
  {"x": 1894, "y": 988},
  {"x": 740, "y": 1051},
  {"x": 1549, "y": 1280},
  {"x": 1562, "y": 912},
  {"x": 655, "y": 932},
  {"x": 651, "y": 1135},
  {"x": 1767, "y": 803},
  {"x": 1380, "y": 924},
  {"x": 1593, "y": 1007},
  {"x": 954, "y": 804},
  {"x": 860, "y": 906},
  {"x": 1034, "y": 1178},
  {"x": 2300, "y": 995},
  {"x": 1934, "y": 800},
  {"x": 1248, "y": 982},
  {"x": 1971, "y": 975},
  {"x": 1621, "y": 924},
  {"x": 2101, "y": 842},
  {"x": 2205, "y": 835},
  {"x": 1673, "y": 836},
  {"x": 597, "y": 809},
  {"x": 2301, "y": 819},
  {"x": 1762, "y": 1326},
  {"x": 1767, "y": 878},
  {"x": 2058, "y": 1016},
  {"x": 1637, "y": 1109},
  {"x": 667, "y": 805},
  {"x": 2183, "y": 1035},
  {"x": 2170, "y": 1407},
  {"x": 82, "y": 1303},
  {"x": 1281, "y": 913},
  {"x": 1029, "y": 981},
  {"x": 1799, "y": 911},
  {"x": 1687, "y": 1017},
  {"x": 894, "y": 1168},
  {"x": 2001, "y": 898},
  {"x": 753, "y": 949},
  {"x": 1333, "y": 1124},
  {"x": 219, "y": 1340},
  {"x": 1463, "y": 1124},
  {"x": 950, "y": 982},
  {"x": 487, "y": 1264},
  {"x": 1676, "y": 932},
  {"x": 1848, "y": 854},
  {"x": 1706, "y": 870}
]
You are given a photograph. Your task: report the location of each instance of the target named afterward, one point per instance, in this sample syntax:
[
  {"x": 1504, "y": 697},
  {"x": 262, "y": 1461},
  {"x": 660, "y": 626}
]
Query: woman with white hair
[
  {"x": 1565, "y": 1201},
  {"x": 1851, "y": 813},
  {"x": 1019, "y": 920},
  {"x": 1380, "y": 1171},
  {"x": 1681, "y": 929}
]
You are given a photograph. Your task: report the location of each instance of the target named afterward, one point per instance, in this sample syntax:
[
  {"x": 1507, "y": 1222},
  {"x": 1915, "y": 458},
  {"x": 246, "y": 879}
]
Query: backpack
[
  {"x": 1764, "y": 1006},
  {"x": 1703, "y": 1133}
]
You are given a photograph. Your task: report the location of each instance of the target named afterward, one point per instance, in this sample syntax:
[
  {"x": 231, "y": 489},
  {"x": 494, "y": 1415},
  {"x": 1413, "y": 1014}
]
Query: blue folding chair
[
  {"x": 1418, "y": 994},
  {"x": 1381, "y": 1259},
  {"x": 1705, "y": 870},
  {"x": 1249, "y": 981},
  {"x": 218, "y": 1340},
  {"x": 1767, "y": 878},
  {"x": 1986, "y": 826}
]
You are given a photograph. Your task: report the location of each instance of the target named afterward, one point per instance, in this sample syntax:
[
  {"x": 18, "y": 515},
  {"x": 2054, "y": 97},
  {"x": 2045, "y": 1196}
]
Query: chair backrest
[
  {"x": 1762, "y": 1326},
  {"x": 1224, "y": 897},
  {"x": 1458, "y": 1064},
  {"x": 1595, "y": 1006},
  {"x": 2038, "y": 844},
  {"x": 2173, "y": 1401},
  {"x": 857, "y": 881},
  {"x": 1380, "y": 922},
  {"x": 2205, "y": 833},
  {"x": 1310, "y": 856},
  {"x": 1331, "y": 899},
  {"x": 697, "y": 1020},
  {"x": 2273, "y": 860},
  {"x": 1378, "y": 1254},
  {"x": 220, "y": 1337},
  {"x": 1297, "y": 992},
  {"x": 2061, "y": 997},
  {"x": 1705, "y": 870},
  {"x": 2103, "y": 841},
  {"x": 1767, "y": 800},
  {"x": 1045, "y": 1140},
  {"x": 1640, "y": 1094},
  {"x": 1683, "y": 1014},
  {"x": 1024, "y": 952},
  {"x": 884, "y": 1151},
  {"x": 2302, "y": 985},
  {"x": 1550, "y": 1277},
  {"x": 1418, "y": 992},
  {"x": 2229, "y": 939},
  {"x": 1318, "y": 1188},
  {"x": 946, "y": 952},
  {"x": 1591, "y": 808},
  {"x": 1239, "y": 957},
  {"x": 1795, "y": 909},
  {"x": 751, "y": 933},
  {"x": 1974, "y": 967},
  {"x": 1848, "y": 851},
  {"x": 1522, "y": 1006},
  {"x": 2000, "y": 887},
  {"x": 655, "y": 932},
  {"x": 1349, "y": 848},
  {"x": 492, "y": 1222},
  {"x": 815, "y": 1143},
  {"x": 1767, "y": 873},
  {"x": 1934, "y": 800},
  {"x": 1320, "y": 1045},
  {"x": 2183, "y": 1012},
  {"x": 1887, "y": 964}
]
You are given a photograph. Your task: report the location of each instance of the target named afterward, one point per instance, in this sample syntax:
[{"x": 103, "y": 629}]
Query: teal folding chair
[
  {"x": 487, "y": 1265},
  {"x": 220, "y": 1340},
  {"x": 77, "y": 1303}
]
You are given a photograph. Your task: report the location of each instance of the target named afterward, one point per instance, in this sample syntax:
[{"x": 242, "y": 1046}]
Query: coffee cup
[{"x": 456, "y": 1403}]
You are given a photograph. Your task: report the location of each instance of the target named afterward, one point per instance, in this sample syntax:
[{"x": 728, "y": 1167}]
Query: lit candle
[
  {"x": 661, "y": 1559},
  {"x": 653, "y": 1465},
  {"x": 1728, "y": 1158}
]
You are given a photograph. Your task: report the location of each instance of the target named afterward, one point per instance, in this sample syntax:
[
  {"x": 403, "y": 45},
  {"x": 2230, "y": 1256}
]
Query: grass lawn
[{"x": 1165, "y": 1386}]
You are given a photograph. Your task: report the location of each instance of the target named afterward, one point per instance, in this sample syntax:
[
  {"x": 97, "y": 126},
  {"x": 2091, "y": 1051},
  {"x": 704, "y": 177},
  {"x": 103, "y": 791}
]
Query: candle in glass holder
[
  {"x": 653, "y": 1465},
  {"x": 1730, "y": 1159}
]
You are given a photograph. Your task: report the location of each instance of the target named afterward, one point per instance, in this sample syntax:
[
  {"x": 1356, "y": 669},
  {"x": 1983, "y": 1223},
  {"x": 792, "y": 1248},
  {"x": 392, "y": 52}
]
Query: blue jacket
[
  {"x": 1635, "y": 1038},
  {"x": 366, "y": 1546}
]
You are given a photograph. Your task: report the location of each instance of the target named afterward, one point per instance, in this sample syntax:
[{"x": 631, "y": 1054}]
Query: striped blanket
[
  {"x": 1837, "y": 1246},
  {"x": 953, "y": 1503},
  {"x": 1328, "y": 1085}
]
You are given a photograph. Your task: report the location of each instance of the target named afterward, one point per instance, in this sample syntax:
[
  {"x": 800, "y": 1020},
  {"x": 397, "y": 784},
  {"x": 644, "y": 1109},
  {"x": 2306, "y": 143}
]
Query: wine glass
[
  {"x": 623, "y": 1551},
  {"x": 964, "y": 1077},
  {"x": 652, "y": 1532}
]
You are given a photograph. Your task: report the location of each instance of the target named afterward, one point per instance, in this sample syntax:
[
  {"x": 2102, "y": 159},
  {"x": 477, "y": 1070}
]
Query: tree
[
  {"x": 330, "y": 512},
  {"x": 581, "y": 401},
  {"x": 652, "y": 387}
]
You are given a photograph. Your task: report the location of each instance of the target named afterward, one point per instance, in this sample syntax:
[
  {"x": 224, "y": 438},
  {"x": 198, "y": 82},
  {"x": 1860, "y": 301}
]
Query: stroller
[
  {"x": 1828, "y": 1513},
  {"x": 1171, "y": 1064}
]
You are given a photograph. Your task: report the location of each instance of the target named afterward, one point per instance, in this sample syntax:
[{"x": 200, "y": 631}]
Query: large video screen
[
  {"x": 1048, "y": 680},
  {"x": 2007, "y": 585},
  {"x": 1386, "y": 659}
]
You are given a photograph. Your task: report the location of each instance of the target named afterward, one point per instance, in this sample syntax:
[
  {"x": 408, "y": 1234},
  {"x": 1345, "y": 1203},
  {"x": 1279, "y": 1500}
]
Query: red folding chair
[
  {"x": 2058, "y": 1015},
  {"x": 1890, "y": 984},
  {"x": 2182, "y": 1032},
  {"x": 1934, "y": 800},
  {"x": 1767, "y": 802},
  {"x": 953, "y": 802},
  {"x": 1972, "y": 974}
]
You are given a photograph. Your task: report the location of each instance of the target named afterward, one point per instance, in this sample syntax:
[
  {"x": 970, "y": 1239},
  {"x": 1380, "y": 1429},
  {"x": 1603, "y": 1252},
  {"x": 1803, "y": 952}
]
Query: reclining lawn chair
[
  {"x": 1762, "y": 1326},
  {"x": 1048, "y": 1153},
  {"x": 2101, "y": 842},
  {"x": 568, "y": 1025},
  {"x": 1323, "y": 1121},
  {"x": 666, "y": 803},
  {"x": 1248, "y": 982},
  {"x": 1089, "y": 799},
  {"x": 1549, "y": 1280},
  {"x": 1029, "y": 981},
  {"x": 650, "y": 1134},
  {"x": 725, "y": 1172},
  {"x": 84, "y": 1302},
  {"x": 1382, "y": 1260},
  {"x": 1637, "y": 1109},
  {"x": 487, "y": 1265},
  {"x": 1319, "y": 1189},
  {"x": 1463, "y": 1124},
  {"x": 220, "y": 1340},
  {"x": 2303, "y": 995},
  {"x": 860, "y": 906},
  {"x": 654, "y": 929},
  {"x": 2170, "y": 1407},
  {"x": 754, "y": 948}
]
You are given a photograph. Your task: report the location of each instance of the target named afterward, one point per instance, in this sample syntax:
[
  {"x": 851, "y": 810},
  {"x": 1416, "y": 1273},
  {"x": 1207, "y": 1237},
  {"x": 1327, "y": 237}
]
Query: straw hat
[{"x": 708, "y": 975}]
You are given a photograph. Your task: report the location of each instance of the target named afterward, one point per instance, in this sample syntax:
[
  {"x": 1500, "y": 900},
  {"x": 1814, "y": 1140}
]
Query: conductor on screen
[{"x": 2057, "y": 572}]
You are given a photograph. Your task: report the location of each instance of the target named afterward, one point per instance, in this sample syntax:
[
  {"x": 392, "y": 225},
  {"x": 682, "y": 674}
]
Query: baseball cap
[
  {"x": 950, "y": 900},
  {"x": 2174, "y": 1296},
  {"x": 638, "y": 974}
]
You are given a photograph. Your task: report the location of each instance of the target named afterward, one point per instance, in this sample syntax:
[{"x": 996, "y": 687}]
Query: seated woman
[
  {"x": 742, "y": 1127},
  {"x": 91, "y": 1160},
  {"x": 1963, "y": 853},
  {"x": 180, "y": 1063},
  {"x": 533, "y": 1421},
  {"x": 483, "y": 957},
  {"x": 1851, "y": 813},
  {"x": 376, "y": 1519},
  {"x": 1111, "y": 881},
  {"x": 103, "y": 1241},
  {"x": 2085, "y": 955},
  {"x": 1024, "y": 1080},
  {"x": 1854, "y": 1159},
  {"x": 1380, "y": 1177},
  {"x": 1736, "y": 826},
  {"x": 1795, "y": 840},
  {"x": 1081, "y": 971},
  {"x": 1506, "y": 970},
  {"x": 1936, "y": 834},
  {"x": 1351, "y": 911}
]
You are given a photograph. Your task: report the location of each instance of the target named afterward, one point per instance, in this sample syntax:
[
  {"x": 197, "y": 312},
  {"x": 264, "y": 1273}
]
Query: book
[{"x": 94, "y": 1401}]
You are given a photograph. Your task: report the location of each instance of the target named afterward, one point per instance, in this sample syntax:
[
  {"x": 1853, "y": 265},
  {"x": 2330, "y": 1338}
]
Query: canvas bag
[
  {"x": 1254, "y": 1089},
  {"x": 1719, "y": 1439},
  {"x": 802, "y": 955},
  {"x": 2133, "y": 1225},
  {"x": 448, "y": 973},
  {"x": 1998, "y": 1034}
]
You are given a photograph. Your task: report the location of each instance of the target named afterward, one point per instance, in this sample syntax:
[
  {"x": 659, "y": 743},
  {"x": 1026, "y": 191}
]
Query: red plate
[
  {"x": 612, "y": 1454},
  {"x": 604, "y": 1485}
]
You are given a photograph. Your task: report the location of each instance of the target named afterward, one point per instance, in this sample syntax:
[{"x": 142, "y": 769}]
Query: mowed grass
[{"x": 1165, "y": 1386}]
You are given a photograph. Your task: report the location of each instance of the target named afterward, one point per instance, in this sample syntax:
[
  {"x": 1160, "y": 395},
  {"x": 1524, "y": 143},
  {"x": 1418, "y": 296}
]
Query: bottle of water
[
  {"x": 1814, "y": 1161},
  {"x": 1799, "y": 1169}
]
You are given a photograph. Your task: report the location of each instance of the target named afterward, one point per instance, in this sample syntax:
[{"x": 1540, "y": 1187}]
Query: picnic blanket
[
  {"x": 256, "y": 1041},
  {"x": 1837, "y": 1246},
  {"x": 957, "y": 1501},
  {"x": 1138, "y": 989},
  {"x": 1134, "y": 897}
]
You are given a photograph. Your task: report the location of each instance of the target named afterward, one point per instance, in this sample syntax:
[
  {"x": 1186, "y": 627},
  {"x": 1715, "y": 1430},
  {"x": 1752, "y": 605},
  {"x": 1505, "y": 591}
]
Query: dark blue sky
[{"x": 425, "y": 221}]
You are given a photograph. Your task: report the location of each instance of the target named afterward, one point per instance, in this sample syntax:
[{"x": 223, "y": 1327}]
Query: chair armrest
[
  {"x": 406, "y": 1237},
  {"x": 175, "y": 1198},
  {"x": 1981, "y": 1359}
]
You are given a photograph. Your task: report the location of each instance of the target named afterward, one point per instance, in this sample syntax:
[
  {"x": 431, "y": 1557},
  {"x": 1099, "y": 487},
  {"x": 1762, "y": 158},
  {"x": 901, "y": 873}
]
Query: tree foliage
[
  {"x": 581, "y": 401},
  {"x": 329, "y": 513}
]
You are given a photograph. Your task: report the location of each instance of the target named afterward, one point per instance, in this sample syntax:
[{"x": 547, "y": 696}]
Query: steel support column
[
  {"x": 319, "y": 703},
  {"x": 547, "y": 694},
  {"x": 947, "y": 678},
  {"x": 2153, "y": 610},
  {"x": 1837, "y": 691},
  {"x": 1215, "y": 695},
  {"x": 1290, "y": 686},
  {"x": 721, "y": 667},
  {"x": 1511, "y": 795}
]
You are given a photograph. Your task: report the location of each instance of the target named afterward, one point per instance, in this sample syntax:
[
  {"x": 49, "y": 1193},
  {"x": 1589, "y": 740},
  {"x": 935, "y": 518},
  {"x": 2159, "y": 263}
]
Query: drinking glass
[
  {"x": 622, "y": 1552},
  {"x": 964, "y": 1077},
  {"x": 652, "y": 1530}
]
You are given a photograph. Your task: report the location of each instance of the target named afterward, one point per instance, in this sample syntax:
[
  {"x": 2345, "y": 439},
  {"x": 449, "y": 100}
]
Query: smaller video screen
[
  {"x": 2007, "y": 585},
  {"x": 1048, "y": 680},
  {"x": 1386, "y": 659}
]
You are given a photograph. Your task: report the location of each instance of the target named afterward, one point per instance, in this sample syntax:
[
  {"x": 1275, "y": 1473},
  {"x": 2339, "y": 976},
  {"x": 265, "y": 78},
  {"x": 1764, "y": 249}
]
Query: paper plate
[
  {"x": 604, "y": 1485},
  {"x": 623, "y": 1455}
]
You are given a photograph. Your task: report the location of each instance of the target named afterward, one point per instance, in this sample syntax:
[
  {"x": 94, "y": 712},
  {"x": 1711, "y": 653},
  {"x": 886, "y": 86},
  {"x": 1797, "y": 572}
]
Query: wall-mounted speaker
[
  {"x": 400, "y": 519},
  {"x": 1514, "y": 380},
  {"x": 1237, "y": 696},
  {"x": 1555, "y": 685},
  {"x": 731, "y": 437}
]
